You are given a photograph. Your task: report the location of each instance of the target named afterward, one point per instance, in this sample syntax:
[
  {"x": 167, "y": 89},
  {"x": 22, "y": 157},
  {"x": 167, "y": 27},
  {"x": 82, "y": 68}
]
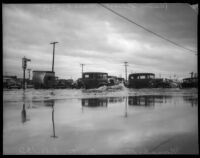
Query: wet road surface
[{"x": 145, "y": 121}]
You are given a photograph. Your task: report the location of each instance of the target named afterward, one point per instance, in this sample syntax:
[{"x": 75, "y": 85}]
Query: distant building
[{"x": 43, "y": 79}]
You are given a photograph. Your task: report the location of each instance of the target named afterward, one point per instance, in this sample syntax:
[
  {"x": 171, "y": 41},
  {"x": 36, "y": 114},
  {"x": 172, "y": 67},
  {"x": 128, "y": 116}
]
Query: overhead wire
[{"x": 164, "y": 38}]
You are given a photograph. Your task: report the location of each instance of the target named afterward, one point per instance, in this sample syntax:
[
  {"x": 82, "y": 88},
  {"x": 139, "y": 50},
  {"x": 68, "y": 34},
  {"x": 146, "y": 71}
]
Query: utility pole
[
  {"x": 125, "y": 64},
  {"x": 82, "y": 68},
  {"x": 24, "y": 65},
  {"x": 54, "y": 133},
  {"x": 191, "y": 74},
  {"x": 29, "y": 70},
  {"x": 53, "y": 54},
  {"x": 126, "y": 113}
]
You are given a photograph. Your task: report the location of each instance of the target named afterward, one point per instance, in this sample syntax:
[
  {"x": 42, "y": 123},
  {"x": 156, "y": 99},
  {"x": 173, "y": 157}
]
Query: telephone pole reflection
[
  {"x": 54, "y": 133},
  {"x": 126, "y": 113},
  {"x": 23, "y": 114}
]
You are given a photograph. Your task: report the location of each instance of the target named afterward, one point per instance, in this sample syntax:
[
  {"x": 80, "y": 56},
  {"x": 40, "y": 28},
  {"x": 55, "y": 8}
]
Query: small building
[{"x": 43, "y": 79}]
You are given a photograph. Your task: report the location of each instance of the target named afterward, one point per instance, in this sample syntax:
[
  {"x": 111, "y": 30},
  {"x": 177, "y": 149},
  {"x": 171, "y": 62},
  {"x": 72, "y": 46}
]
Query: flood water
[{"x": 128, "y": 121}]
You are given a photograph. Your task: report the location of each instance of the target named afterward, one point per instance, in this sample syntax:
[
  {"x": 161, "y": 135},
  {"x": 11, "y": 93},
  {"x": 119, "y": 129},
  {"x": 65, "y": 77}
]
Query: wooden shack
[{"x": 43, "y": 79}]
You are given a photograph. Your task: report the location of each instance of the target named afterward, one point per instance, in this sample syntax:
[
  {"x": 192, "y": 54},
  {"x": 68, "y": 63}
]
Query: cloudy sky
[{"x": 92, "y": 35}]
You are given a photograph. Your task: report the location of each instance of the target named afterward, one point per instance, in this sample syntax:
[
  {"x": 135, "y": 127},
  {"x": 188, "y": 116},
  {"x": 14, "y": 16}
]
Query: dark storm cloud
[{"x": 88, "y": 33}]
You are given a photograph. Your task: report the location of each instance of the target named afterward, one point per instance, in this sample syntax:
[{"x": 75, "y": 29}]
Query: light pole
[
  {"x": 125, "y": 64},
  {"x": 53, "y": 54},
  {"x": 29, "y": 70},
  {"x": 82, "y": 69},
  {"x": 24, "y": 65}
]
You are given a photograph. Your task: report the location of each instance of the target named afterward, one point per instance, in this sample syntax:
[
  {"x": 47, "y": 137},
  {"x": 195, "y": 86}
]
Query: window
[
  {"x": 99, "y": 76},
  {"x": 142, "y": 77},
  {"x": 151, "y": 76},
  {"x": 104, "y": 76},
  {"x": 86, "y": 76}
]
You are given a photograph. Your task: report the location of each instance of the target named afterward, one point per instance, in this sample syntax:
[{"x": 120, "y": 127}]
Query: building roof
[
  {"x": 138, "y": 74},
  {"x": 95, "y": 73},
  {"x": 44, "y": 71},
  {"x": 189, "y": 78}
]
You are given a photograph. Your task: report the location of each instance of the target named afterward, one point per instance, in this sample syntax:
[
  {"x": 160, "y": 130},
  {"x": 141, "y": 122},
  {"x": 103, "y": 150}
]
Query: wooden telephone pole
[{"x": 53, "y": 54}]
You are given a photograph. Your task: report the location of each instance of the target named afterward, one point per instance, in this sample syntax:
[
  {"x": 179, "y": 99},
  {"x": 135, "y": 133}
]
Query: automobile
[
  {"x": 141, "y": 80},
  {"x": 191, "y": 82},
  {"x": 15, "y": 85},
  {"x": 92, "y": 80}
]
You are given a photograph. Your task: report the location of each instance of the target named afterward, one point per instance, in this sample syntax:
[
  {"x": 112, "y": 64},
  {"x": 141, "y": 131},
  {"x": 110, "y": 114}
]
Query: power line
[{"x": 147, "y": 29}]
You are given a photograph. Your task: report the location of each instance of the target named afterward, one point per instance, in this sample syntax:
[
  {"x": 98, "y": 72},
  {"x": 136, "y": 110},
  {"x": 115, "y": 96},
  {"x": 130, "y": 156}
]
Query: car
[
  {"x": 92, "y": 80},
  {"x": 14, "y": 85}
]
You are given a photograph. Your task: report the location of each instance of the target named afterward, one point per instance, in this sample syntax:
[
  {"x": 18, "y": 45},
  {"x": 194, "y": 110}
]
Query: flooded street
[{"x": 128, "y": 121}]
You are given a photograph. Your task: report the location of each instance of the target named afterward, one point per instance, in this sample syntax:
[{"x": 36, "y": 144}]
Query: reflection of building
[
  {"x": 147, "y": 100},
  {"x": 115, "y": 99},
  {"x": 192, "y": 100},
  {"x": 141, "y": 100},
  {"x": 95, "y": 102}
]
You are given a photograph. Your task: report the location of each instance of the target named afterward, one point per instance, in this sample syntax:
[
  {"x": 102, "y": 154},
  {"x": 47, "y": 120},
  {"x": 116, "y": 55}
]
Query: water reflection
[
  {"x": 23, "y": 114},
  {"x": 126, "y": 113},
  {"x": 192, "y": 100},
  {"x": 141, "y": 101},
  {"x": 115, "y": 99},
  {"x": 148, "y": 100},
  {"x": 50, "y": 103},
  {"x": 134, "y": 127},
  {"x": 95, "y": 102}
]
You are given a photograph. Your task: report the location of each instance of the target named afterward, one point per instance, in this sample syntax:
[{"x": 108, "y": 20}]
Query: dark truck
[
  {"x": 145, "y": 80},
  {"x": 92, "y": 80},
  {"x": 140, "y": 80},
  {"x": 190, "y": 82}
]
